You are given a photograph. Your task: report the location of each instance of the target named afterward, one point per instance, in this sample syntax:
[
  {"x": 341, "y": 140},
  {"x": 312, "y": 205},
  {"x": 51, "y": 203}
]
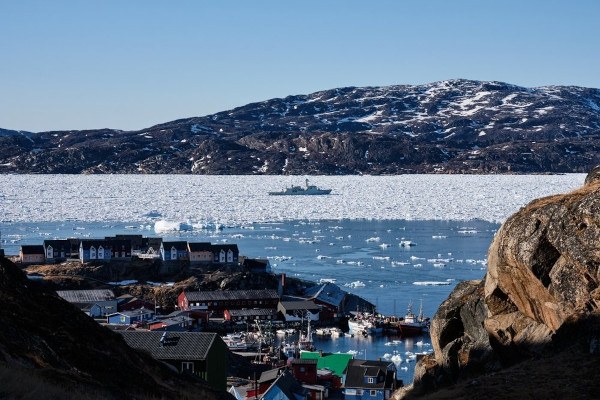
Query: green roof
[{"x": 336, "y": 362}]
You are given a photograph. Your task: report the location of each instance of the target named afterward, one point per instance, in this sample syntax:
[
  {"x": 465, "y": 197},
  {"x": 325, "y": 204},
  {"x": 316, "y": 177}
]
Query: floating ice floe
[
  {"x": 407, "y": 243},
  {"x": 401, "y": 263},
  {"x": 373, "y": 239},
  {"x": 396, "y": 359},
  {"x": 355, "y": 284},
  {"x": 431, "y": 283},
  {"x": 168, "y": 226},
  {"x": 327, "y": 280}
]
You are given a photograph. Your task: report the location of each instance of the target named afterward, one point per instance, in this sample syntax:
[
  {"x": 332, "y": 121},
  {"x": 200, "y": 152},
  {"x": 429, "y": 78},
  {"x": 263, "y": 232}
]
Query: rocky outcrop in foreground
[
  {"x": 50, "y": 349},
  {"x": 532, "y": 326}
]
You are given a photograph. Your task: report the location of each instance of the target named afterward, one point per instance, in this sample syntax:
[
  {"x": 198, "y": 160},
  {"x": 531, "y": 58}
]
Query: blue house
[
  {"x": 121, "y": 248},
  {"x": 57, "y": 250},
  {"x": 95, "y": 302},
  {"x": 285, "y": 387},
  {"x": 225, "y": 253},
  {"x": 373, "y": 380},
  {"x": 95, "y": 250},
  {"x": 173, "y": 251},
  {"x": 130, "y": 317},
  {"x": 330, "y": 297}
]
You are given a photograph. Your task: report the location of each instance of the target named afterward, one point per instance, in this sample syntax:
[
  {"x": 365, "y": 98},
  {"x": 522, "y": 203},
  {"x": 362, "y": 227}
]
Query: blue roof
[{"x": 328, "y": 293}]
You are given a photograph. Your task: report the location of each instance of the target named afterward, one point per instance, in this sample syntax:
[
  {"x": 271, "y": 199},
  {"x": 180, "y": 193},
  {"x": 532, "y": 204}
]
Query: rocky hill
[
  {"x": 531, "y": 328},
  {"x": 455, "y": 126},
  {"x": 49, "y": 349}
]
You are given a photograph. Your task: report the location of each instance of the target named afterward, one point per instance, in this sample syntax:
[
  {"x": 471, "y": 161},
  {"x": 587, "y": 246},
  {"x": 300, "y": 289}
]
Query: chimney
[{"x": 281, "y": 287}]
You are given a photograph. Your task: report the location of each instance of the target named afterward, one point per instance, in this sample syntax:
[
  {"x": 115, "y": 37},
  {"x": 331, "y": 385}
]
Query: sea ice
[{"x": 219, "y": 200}]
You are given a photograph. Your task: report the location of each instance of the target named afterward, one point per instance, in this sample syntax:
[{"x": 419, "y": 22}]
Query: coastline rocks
[
  {"x": 461, "y": 344},
  {"x": 540, "y": 297},
  {"x": 543, "y": 270}
]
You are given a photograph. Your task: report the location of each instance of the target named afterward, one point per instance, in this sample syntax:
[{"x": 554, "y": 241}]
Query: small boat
[
  {"x": 411, "y": 324},
  {"x": 323, "y": 332},
  {"x": 305, "y": 342},
  {"x": 235, "y": 344},
  {"x": 336, "y": 332},
  {"x": 308, "y": 190}
]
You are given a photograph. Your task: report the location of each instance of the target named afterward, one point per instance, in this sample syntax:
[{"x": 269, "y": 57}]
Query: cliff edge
[{"x": 531, "y": 327}]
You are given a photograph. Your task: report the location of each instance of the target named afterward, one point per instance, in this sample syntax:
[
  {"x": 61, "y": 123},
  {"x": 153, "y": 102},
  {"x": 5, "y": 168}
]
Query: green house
[{"x": 200, "y": 353}]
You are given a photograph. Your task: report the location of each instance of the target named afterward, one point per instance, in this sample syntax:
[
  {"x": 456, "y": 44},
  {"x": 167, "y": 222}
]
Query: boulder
[
  {"x": 543, "y": 270},
  {"x": 460, "y": 342},
  {"x": 540, "y": 298}
]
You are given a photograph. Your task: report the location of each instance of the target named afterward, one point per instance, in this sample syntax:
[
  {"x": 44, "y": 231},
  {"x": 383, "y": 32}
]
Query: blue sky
[{"x": 86, "y": 64}]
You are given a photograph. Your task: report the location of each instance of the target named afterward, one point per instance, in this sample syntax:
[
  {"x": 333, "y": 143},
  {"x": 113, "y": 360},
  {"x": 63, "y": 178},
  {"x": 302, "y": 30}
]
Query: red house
[
  {"x": 217, "y": 301},
  {"x": 305, "y": 370}
]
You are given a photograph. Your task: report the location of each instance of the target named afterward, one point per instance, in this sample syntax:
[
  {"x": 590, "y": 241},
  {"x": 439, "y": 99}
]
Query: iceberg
[{"x": 167, "y": 226}]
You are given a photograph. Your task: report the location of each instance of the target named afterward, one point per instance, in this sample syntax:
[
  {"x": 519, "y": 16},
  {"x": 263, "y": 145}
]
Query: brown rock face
[
  {"x": 543, "y": 269},
  {"x": 540, "y": 297}
]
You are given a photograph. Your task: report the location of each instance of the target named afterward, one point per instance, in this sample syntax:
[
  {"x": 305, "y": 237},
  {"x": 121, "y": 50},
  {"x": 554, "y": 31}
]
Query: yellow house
[
  {"x": 32, "y": 254},
  {"x": 200, "y": 253}
]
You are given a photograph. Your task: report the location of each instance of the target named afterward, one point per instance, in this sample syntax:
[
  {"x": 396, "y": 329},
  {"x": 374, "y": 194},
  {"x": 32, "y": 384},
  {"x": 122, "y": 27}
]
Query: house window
[
  {"x": 49, "y": 252},
  {"x": 371, "y": 380},
  {"x": 302, "y": 369},
  {"x": 101, "y": 253},
  {"x": 173, "y": 253},
  {"x": 92, "y": 253},
  {"x": 373, "y": 393},
  {"x": 187, "y": 366}
]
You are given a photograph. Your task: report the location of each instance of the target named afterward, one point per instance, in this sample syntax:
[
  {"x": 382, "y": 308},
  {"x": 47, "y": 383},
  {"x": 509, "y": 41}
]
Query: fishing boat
[
  {"x": 305, "y": 342},
  {"x": 365, "y": 324},
  {"x": 308, "y": 190},
  {"x": 411, "y": 324}
]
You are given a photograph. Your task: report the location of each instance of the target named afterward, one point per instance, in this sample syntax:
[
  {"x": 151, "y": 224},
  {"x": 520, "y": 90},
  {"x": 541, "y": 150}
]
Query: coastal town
[{"x": 270, "y": 330}]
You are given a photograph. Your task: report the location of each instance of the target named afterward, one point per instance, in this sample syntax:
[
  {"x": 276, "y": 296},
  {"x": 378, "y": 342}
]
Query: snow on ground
[{"x": 238, "y": 200}]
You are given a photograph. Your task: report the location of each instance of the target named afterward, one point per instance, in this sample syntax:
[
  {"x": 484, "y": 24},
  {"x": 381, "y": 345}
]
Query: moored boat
[
  {"x": 365, "y": 324},
  {"x": 411, "y": 324},
  {"x": 323, "y": 332}
]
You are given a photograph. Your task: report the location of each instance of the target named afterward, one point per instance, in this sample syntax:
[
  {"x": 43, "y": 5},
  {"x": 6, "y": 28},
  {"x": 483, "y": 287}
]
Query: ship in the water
[{"x": 308, "y": 190}]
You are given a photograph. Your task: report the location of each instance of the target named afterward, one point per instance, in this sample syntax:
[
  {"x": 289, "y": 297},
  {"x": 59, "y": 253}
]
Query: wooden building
[
  {"x": 217, "y": 301},
  {"x": 94, "y": 302},
  {"x": 250, "y": 315},
  {"x": 200, "y": 353},
  {"x": 174, "y": 251},
  {"x": 32, "y": 254},
  {"x": 373, "y": 380}
]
